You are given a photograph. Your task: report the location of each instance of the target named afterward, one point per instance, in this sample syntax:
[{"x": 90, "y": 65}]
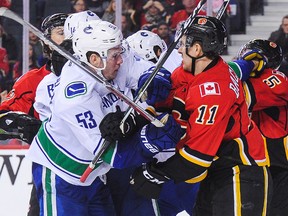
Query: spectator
[
  {"x": 153, "y": 14},
  {"x": 32, "y": 58},
  {"x": 4, "y": 69},
  {"x": 109, "y": 14},
  {"x": 37, "y": 46},
  {"x": 126, "y": 25},
  {"x": 189, "y": 6},
  {"x": 129, "y": 9},
  {"x": 280, "y": 37},
  {"x": 4, "y": 62},
  {"x": 79, "y": 6},
  {"x": 98, "y": 6},
  {"x": 163, "y": 30},
  {"x": 9, "y": 43},
  {"x": 5, "y": 3}
]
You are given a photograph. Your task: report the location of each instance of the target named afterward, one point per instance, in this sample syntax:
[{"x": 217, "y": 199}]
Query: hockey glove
[
  {"x": 110, "y": 125},
  {"x": 155, "y": 139},
  {"x": 254, "y": 55},
  {"x": 159, "y": 88},
  {"x": 148, "y": 181},
  {"x": 58, "y": 60},
  {"x": 18, "y": 125}
]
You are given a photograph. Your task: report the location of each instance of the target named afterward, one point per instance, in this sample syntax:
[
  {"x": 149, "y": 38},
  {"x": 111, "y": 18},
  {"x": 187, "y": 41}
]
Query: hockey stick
[
  {"x": 188, "y": 23},
  {"x": 9, "y": 14},
  {"x": 222, "y": 9},
  {"x": 160, "y": 63}
]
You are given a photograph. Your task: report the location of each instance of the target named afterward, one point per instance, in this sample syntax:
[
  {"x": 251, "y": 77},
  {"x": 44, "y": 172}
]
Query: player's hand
[
  {"x": 148, "y": 180},
  {"x": 259, "y": 60},
  {"x": 155, "y": 139},
  {"x": 159, "y": 88},
  {"x": 110, "y": 125},
  {"x": 18, "y": 125}
]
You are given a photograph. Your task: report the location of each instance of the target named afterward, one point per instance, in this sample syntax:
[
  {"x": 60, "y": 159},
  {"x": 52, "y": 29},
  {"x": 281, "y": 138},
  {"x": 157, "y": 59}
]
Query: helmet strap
[{"x": 193, "y": 60}]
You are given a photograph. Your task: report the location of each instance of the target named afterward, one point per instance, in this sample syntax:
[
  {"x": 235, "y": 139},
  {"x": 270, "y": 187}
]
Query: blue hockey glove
[
  {"x": 256, "y": 56},
  {"x": 147, "y": 180},
  {"x": 155, "y": 139},
  {"x": 159, "y": 88}
]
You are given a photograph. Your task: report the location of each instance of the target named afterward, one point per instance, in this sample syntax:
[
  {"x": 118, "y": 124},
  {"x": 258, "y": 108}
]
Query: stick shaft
[
  {"x": 91, "y": 166},
  {"x": 222, "y": 9}
]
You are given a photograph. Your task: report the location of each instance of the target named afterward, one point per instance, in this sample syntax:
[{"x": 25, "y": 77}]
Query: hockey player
[
  {"x": 207, "y": 99},
  {"x": 149, "y": 46},
  {"x": 17, "y": 110},
  {"x": 267, "y": 96},
  {"x": 45, "y": 89},
  {"x": 79, "y": 104}
]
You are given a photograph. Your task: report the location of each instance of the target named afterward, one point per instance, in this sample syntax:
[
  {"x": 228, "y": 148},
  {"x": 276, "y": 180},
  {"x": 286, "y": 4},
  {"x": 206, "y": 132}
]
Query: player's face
[
  {"x": 285, "y": 25},
  {"x": 187, "y": 61},
  {"x": 114, "y": 60},
  {"x": 57, "y": 34}
]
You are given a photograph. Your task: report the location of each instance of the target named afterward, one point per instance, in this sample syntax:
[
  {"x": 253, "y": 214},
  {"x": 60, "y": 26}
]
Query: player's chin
[{"x": 114, "y": 74}]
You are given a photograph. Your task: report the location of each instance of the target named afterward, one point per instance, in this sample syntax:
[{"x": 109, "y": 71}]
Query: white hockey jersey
[
  {"x": 68, "y": 141},
  {"x": 44, "y": 95}
]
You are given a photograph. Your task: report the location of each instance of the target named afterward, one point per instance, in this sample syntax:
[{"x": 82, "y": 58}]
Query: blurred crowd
[{"x": 162, "y": 17}]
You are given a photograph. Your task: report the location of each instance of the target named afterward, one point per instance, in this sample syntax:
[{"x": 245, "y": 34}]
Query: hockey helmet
[
  {"x": 269, "y": 49},
  {"x": 211, "y": 32},
  {"x": 96, "y": 36},
  {"x": 145, "y": 43},
  {"x": 52, "y": 21},
  {"x": 73, "y": 20}
]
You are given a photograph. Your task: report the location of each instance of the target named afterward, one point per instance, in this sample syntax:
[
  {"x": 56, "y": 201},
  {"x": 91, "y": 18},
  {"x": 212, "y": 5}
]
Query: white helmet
[
  {"x": 143, "y": 43},
  {"x": 73, "y": 20},
  {"x": 96, "y": 36}
]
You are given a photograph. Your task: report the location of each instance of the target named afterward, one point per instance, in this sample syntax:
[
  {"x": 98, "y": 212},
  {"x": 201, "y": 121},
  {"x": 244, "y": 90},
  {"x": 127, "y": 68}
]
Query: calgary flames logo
[
  {"x": 202, "y": 21},
  {"x": 272, "y": 44}
]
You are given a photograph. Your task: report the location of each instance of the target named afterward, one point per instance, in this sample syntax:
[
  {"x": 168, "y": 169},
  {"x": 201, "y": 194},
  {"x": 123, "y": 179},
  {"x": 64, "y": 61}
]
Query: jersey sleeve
[
  {"x": 22, "y": 96},
  {"x": 270, "y": 88}
]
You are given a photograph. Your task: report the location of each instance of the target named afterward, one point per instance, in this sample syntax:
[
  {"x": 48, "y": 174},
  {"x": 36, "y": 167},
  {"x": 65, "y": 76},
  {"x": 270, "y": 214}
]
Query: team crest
[
  {"x": 8, "y": 96},
  {"x": 202, "y": 21},
  {"x": 75, "y": 89},
  {"x": 272, "y": 44},
  {"x": 209, "y": 88}
]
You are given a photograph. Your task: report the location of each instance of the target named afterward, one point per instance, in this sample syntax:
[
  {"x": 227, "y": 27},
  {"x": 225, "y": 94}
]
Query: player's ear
[
  {"x": 96, "y": 60},
  {"x": 198, "y": 49}
]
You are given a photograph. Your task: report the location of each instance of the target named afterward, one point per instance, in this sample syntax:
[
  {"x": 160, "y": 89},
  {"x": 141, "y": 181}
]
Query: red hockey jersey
[
  {"x": 212, "y": 108},
  {"x": 267, "y": 97},
  {"x": 22, "y": 96}
]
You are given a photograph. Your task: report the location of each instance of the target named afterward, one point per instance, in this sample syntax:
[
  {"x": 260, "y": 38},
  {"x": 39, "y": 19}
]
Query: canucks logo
[{"x": 75, "y": 89}]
